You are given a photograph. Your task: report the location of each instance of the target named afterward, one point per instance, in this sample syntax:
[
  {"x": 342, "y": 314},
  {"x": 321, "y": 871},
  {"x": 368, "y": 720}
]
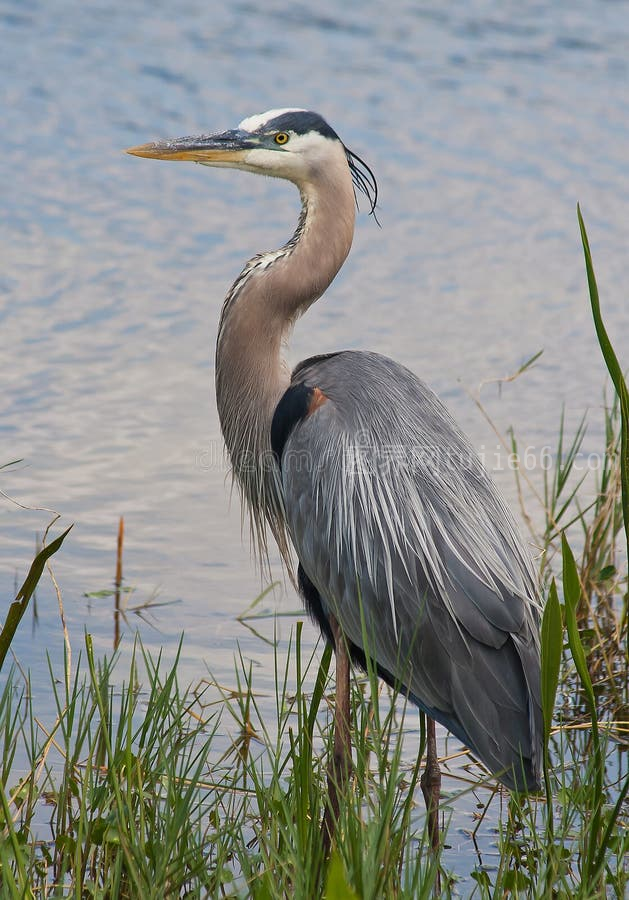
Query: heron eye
[{"x": 281, "y": 137}]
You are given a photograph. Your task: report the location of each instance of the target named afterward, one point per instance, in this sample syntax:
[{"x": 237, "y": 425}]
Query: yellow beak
[{"x": 228, "y": 146}]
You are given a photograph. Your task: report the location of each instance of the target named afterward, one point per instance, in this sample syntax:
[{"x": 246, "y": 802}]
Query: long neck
[{"x": 258, "y": 314}]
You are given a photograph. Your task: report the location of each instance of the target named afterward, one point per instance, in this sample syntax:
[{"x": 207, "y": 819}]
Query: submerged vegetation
[{"x": 138, "y": 788}]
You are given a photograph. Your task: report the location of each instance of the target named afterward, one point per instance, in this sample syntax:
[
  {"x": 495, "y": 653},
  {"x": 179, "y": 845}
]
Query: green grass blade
[
  {"x": 572, "y": 596},
  {"x": 337, "y": 887},
  {"x": 551, "y": 656},
  {"x": 552, "y": 642},
  {"x": 615, "y": 371},
  {"x": 319, "y": 688},
  {"x": 12, "y": 844},
  {"x": 20, "y": 604},
  {"x": 613, "y": 820}
]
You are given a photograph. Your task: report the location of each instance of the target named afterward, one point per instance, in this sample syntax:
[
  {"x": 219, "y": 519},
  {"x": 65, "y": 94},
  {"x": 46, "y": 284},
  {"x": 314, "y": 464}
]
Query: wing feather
[{"x": 407, "y": 540}]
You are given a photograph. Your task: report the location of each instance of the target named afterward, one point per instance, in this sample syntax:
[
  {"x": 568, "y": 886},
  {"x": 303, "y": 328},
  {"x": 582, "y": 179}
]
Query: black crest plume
[{"x": 364, "y": 180}]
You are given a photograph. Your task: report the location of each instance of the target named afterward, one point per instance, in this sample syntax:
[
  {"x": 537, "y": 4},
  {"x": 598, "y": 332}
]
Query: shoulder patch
[
  {"x": 317, "y": 399},
  {"x": 298, "y": 402}
]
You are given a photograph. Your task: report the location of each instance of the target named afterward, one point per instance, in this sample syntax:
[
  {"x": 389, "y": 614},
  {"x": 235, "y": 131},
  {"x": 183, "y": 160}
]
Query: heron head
[{"x": 295, "y": 144}]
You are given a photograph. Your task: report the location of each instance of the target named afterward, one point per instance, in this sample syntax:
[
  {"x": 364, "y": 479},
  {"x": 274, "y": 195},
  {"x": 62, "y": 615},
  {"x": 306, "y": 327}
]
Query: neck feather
[{"x": 271, "y": 292}]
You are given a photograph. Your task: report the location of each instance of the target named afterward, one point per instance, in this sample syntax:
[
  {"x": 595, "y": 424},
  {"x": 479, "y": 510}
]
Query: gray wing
[{"x": 409, "y": 544}]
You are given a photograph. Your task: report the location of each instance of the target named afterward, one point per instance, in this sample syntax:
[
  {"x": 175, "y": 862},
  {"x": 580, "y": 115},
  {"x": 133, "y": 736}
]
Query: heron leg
[
  {"x": 431, "y": 784},
  {"x": 340, "y": 765}
]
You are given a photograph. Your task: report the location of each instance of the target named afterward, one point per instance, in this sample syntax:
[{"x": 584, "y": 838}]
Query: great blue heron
[{"x": 407, "y": 552}]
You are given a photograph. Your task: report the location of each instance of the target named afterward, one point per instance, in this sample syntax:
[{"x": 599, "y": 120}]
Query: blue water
[{"x": 484, "y": 123}]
